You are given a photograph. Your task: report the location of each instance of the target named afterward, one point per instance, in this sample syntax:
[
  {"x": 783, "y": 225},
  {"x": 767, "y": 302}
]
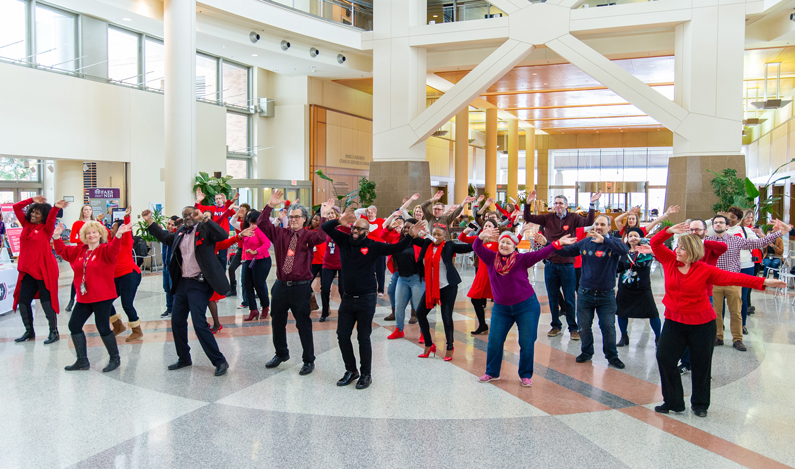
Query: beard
[{"x": 357, "y": 241}]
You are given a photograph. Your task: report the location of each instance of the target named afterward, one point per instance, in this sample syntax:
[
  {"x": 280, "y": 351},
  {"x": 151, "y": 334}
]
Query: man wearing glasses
[
  {"x": 438, "y": 215},
  {"x": 292, "y": 289},
  {"x": 559, "y": 271}
]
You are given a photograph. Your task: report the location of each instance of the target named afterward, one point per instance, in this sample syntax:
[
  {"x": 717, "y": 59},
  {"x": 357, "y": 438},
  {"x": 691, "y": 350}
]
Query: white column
[
  {"x": 68, "y": 175},
  {"x": 513, "y": 159},
  {"x": 461, "y": 156},
  {"x": 530, "y": 159},
  {"x": 179, "y": 22}
]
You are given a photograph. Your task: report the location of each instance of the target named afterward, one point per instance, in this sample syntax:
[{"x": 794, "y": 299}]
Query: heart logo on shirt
[
  {"x": 364, "y": 251},
  {"x": 599, "y": 253},
  {"x": 565, "y": 227},
  {"x": 290, "y": 252}
]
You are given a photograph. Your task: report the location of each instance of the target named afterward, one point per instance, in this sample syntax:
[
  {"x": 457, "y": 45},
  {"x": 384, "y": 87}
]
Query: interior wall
[{"x": 51, "y": 116}]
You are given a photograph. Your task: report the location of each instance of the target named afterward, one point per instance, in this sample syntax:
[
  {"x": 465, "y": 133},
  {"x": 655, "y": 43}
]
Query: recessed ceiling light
[
  {"x": 535, "y": 74},
  {"x": 126, "y": 19},
  {"x": 546, "y": 83},
  {"x": 435, "y": 16},
  {"x": 254, "y": 55},
  {"x": 224, "y": 47}
]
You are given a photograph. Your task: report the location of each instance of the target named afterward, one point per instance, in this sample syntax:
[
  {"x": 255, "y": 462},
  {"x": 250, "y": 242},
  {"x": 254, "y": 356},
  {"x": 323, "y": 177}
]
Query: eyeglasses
[
  {"x": 295, "y": 217},
  {"x": 559, "y": 203},
  {"x": 356, "y": 228}
]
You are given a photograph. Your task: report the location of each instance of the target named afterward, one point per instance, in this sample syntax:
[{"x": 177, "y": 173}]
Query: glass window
[
  {"x": 206, "y": 77},
  {"x": 238, "y": 169},
  {"x": 657, "y": 200},
  {"x": 123, "y": 56},
  {"x": 12, "y": 29},
  {"x": 236, "y": 132},
  {"x": 235, "y": 84},
  {"x": 14, "y": 169},
  {"x": 154, "y": 63},
  {"x": 56, "y": 40}
]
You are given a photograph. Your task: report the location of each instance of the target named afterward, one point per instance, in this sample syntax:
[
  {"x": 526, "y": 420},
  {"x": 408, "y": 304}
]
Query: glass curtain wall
[
  {"x": 56, "y": 39},
  {"x": 123, "y": 56},
  {"x": 13, "y": 38}
]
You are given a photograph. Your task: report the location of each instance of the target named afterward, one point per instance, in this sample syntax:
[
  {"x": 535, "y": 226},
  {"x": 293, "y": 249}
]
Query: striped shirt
[{"x": 730, "y": 260}]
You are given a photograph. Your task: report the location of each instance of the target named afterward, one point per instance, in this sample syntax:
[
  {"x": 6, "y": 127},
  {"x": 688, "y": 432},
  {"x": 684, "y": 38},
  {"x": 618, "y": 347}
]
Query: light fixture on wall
[
  {"x": 313, "y": 52},
  {"x": 253, "y": 37},
  {"x": 284, "y": 44},
  {"x": 341, "y": 59}
]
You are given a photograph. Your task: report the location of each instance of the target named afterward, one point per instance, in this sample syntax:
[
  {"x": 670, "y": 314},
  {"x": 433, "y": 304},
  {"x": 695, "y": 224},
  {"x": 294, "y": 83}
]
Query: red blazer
[
  {"x": 35, "y": 254},
  {"x": 100, "y": 267}
]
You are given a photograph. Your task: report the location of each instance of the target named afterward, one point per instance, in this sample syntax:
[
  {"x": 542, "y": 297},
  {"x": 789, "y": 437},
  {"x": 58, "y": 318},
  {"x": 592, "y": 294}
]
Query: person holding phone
[{"x": 634, "y": 298}]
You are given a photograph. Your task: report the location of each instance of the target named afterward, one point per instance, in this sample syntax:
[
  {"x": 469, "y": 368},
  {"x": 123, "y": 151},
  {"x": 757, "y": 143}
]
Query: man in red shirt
[{"x": 220, "y": 207}]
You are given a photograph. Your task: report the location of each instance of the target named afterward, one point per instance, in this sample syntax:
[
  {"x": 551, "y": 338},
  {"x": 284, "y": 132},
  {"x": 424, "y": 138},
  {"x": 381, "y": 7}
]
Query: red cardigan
[
  {"x": 125, "y": 263},
  {"x": 686, "y": 298},
  {"x": 99, "y": 274},
  {"x": 35, "y": 254}
]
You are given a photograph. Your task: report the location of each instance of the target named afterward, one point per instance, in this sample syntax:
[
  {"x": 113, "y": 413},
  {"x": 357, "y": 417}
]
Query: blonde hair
[
  {"x": 748, "y": 212},
  {"x": 693, "y": 246},
  {"x": 83, "y": 208},
  {"x": 96, "y": 226}
]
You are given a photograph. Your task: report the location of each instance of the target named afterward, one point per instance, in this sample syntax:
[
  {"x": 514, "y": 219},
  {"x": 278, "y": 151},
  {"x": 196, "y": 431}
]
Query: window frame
[
  {"x": 33, "y": 40},
  {"x": 140, "y": 60}
]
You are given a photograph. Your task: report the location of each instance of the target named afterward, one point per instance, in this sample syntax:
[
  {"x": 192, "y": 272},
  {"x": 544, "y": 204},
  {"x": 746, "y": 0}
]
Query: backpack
[{"x": 140, "y": 250}]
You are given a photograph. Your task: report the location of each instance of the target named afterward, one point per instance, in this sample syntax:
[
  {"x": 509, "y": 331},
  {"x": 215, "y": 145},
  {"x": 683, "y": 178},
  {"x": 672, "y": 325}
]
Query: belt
[
  {"x": 595, "y": 291},
  {"x": 198, "y": 278},
  {"x": 292, "y": 284},
  {"x": 359, "y": 296}
]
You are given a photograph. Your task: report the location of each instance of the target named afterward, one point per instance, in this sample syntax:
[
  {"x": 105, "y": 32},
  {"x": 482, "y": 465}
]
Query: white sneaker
[{"x": 240, "y": 306}]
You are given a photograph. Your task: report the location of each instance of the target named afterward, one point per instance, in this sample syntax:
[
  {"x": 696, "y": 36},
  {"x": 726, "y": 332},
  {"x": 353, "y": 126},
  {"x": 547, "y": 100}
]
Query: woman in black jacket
[{"x": 441, "y": 284}]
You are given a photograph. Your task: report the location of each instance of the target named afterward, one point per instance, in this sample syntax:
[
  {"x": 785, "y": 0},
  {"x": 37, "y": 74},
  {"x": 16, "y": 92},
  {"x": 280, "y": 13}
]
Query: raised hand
[
  {"x": 147, "y": 216},
  {"x": 348, "y": 218},
  {"x": 468, "y": 230},
  {"x": 61, "y": 204},
  {"x": 326, "y": 207},
  {"x": 672, "y": 209},
  {"x": 489, "y": 202},
  {"x": 405, "y": 199},
  {"x": 128, "y": 211},
  {"x": 531, "y": 196},
  {"x": 100, "y": 217},
  {"x": 237, "y": 196},
  {"x": 416, "y": 230},
  {"x": 596, "y": 196},
  {"x": 635, "y": 210},
  {"x": 597, "y": 238},
  {"x": 437, "y": 196},
  {"x": 415, "y": 196},
  {"x": 568, "y": 240},
  {"x": 781, "y": 226},
  {"x": 199, "y": 196},
  {"x": 469, "y": 200},
  {"x": 644, "y": 249},
  {"x": 38, "y": 199},
  {"x": 123, "y": 229},
  {"x": 487, "y": 233},
  {"x": 276, "y": 198},
  {"x": 775, "y": 283},
  {"x": 540, "y": 239},
  {"x": 683, "y": 227},
  {"x": 248, "y": 232},
  {"x": 297, "y": 201},
  {"x": 480, "y": 198},
  {"x": 56, "y": 234}
]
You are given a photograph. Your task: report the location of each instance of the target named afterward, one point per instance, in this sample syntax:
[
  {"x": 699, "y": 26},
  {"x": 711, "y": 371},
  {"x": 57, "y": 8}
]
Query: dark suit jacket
[
  {"x": 206, "y": 235},
  {"x": 448, "y": 250}
]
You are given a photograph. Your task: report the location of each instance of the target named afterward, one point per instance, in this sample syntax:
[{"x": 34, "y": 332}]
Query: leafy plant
[
  {"x": 766, "y": 206},
  {"x": 664, "y": 225},
  {"x": 521, "y": 199},
  {"x": 366, "y": 192},
  {"x": 141, "y": 226},
  {"x": 727, "y": 187},
  {"x": 211, "y": 185},
  {"x": 471, "y": 190},
  {"x": 347, "y": 198}
]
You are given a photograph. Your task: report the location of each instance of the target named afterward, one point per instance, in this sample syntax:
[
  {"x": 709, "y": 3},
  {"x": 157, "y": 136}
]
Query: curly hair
[
  {"x": 96, "y": 226},
  {"x": 44, "y": 209}
]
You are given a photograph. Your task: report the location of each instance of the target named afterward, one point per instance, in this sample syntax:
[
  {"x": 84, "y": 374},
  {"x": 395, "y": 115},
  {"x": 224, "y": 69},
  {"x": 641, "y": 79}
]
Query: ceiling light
[
  {"x": 546, "y": 83},
  {"x": 254, "y": 55},
  {"x": 535, "y": 74},
  {"x": 284, "y": 45},
  {"x": 224, "y": 47},
  {"x": 312, "y": 68},
  {"x": 126, "y": 19},
  {"x": 435, "y": 16},
  {"x": 313, "y": 52}
]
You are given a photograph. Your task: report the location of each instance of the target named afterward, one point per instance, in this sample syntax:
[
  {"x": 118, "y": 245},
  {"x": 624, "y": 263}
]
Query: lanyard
[{"x": 83, "y": 287}]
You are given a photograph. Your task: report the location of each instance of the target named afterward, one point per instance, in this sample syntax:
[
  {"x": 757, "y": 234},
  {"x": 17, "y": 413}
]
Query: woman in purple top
[{"x": 515, "y": 300}]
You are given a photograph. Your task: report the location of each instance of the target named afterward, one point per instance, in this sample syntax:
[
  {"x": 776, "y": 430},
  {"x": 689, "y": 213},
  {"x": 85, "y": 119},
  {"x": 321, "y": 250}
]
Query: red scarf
[
  {"x": 503, "y": 264},
  {"x": 432, "y": 259}
]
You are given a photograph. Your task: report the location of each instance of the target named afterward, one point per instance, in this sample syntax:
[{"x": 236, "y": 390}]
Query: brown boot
[
  {"x": 413, "y": 319},
  {"x": 391, "y": 317},
  {"x": 313, "y": 303},
  {"x": 136, "y": 331},
  {"x": 118, "y": 326}
]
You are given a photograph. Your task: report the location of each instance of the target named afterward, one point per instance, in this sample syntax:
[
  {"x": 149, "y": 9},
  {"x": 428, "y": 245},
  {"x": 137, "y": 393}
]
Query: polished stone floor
[{"x": 417, "y": 413}]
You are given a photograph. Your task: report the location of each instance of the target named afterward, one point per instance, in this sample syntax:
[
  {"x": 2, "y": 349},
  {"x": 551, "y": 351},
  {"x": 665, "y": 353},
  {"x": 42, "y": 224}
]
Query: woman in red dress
[
  {"x": 480, "y": 291},
  {"x": 93, "y": 263},
  {"x": 38, "y": 269}
]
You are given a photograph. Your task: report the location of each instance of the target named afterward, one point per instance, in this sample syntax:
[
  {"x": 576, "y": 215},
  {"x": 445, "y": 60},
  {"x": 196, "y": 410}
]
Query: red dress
[
  {"x": 35, "y": 254},
  {"x": 220, "y": 247},
  {"x": 481, "y": 286}
]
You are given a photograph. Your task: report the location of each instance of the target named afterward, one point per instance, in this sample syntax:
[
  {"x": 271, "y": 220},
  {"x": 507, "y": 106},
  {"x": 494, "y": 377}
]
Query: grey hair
[
  {"x": 562, "y": 197},
  {"x": 304, "y": 210},
  {"x": 190, "y": 207},
  {"x": 372, "y": 206}
]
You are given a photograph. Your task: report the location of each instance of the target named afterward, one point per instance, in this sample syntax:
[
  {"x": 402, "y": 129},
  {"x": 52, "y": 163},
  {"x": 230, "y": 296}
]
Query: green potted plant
[
  {"x": 212, "y": 185},
  {"x": 344, "y": 200},
  {"x": 366, "y": 192}
]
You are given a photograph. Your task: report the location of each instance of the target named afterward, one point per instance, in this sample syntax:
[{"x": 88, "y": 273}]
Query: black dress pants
[
  {"x": 296, "y": 299},
  {"x": 674, "y": 339},
  {"x": 447, "y": 296},
  {"x": 359, "y": 311},
  {"x": 192, "y": 298},
  {"x": 83, "y": 311},
  {"x": 326, "y": 279},
  {"x": 237, "y": 259},
  {"x": 255, "y": 280}
]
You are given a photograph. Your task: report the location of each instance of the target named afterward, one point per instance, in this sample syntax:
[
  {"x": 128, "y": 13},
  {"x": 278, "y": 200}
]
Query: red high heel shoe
[
  {"x": 431, "y": 350},
  {"x": 450, "y": 358},
  {"x": 215, "y": 331},
  {"x": 254, "y": 314},
  {"x": 264, "y": 314},
  {"x": 422, "y": 339}
]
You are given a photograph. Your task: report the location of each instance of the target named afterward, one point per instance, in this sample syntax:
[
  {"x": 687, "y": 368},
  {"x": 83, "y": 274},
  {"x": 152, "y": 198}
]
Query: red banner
[{"x": 13, "y": 227}]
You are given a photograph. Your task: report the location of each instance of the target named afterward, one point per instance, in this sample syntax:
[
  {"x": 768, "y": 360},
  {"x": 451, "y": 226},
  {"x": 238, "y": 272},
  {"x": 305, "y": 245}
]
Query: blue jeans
[
  {"x": 556, "y": 277},
  {"x": 603, "y": 304},
  {"x": 525, "y": 315},
  {"x": 771, "y": 263},
  {"x": 391, "y": 288},
  {"x": 746, "y": 294},
  {"x": 408, "y": 288},
  {"x": 167, "y": 288}
]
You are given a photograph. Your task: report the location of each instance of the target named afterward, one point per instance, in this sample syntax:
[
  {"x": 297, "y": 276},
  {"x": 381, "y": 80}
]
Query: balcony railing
[
  {"x": 461, "y": 10},
  {"x": 355, "y": 13}
]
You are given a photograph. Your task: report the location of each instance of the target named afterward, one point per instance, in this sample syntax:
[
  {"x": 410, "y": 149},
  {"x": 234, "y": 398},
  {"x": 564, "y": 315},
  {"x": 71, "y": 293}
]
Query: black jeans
[
  {"x": 222, "y": 257},
  {"x": 83, "y": 311},
  {"x": 126, "y": 288},
  {"x": 315, "y": 269},
  {"x": 192, "y": 298},
  {"x": 295, "y": 299},
  {"x": 326, "y": 279},
  {"x": 447, "y": 296},
  {"x": 359, "y": 311},
  {"x": 237, "y": 259},
  {"x": 380, "y": 273},
  {"x": 255, "y": 278},
  {"x": 28, "y": 288},
  {"x": 674, "y": 339},
  {"x": 601, "y": 303}
]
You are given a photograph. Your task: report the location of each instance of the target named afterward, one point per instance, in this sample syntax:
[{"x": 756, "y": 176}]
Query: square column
[
  {"x": 513, "y": 158},
  {"x": 461, "y": 155}
]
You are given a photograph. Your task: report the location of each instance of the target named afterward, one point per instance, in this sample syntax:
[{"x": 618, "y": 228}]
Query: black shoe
[
  {"x": 364, "y": 382},
  {"x": 28, "y": 335},
  {"x": 220, "y": 370},
  {"x": 664, "y": 409},
  {"x": 624, "y": 341},
  {"x": 276, "y": 361},
  {"x": 79, "y": 341},
  {"x": 582, "y": 358},
  {"x": 231, "y": 293},
  {"x": 745, "y": 331},
  {"x": 53, "y": 337},
  {"x": 718, "y": 341},
  {"x": 179, "y": 364},
  {"x": 751, "y": 310},
  {"x": 69, "y": 306},
  {"x": 683, "y": 369},
  {"x": 113, "y": 350},
  {"x": 480, "y": 330},
  {"x": 700, "y": 412},
  {"x": 616, "y": 362},
  {"x": 306, "y": 369},
  {"x": 348, "y": 378},
  {"x": 323, "y": 318},
  {"x": 166, "y": 314},
  {"x": 114, "y": 363}
]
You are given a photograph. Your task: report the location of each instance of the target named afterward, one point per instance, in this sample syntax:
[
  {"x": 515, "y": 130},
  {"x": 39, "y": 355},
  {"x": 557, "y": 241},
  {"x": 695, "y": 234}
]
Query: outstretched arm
[{"x": 671, "y": 210}]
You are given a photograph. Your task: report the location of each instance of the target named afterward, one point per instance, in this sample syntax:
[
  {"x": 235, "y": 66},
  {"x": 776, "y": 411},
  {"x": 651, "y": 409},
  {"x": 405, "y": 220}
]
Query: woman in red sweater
[
  {"x": 689, "y": 317},
  {"x": 127, "y": 278},
  {"x": 481, "y": 286},
  {"x": 332, "y": 267},
  {"x": 93, "y": 263},
  {"x": 86, "y": 214},
  {"x": 38, "y": 269}
]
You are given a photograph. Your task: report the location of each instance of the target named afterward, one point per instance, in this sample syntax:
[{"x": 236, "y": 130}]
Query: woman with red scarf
[
  {"x": 38, "y": 269},
  {"x": 441, "y": 284},
  {"x": 93, "y": 263},
  {"x": 481, "y": 287}
]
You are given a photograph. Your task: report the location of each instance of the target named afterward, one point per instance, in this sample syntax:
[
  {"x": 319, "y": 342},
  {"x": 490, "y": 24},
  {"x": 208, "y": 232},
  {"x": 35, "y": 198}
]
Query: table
[{"x": 8, "y": 282}]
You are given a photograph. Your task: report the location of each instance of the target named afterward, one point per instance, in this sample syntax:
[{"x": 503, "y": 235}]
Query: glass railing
[
  {"x": 608, "y": 3},
  {"x": 461, "y": 10},
  {"x": 355, "y": 13}
]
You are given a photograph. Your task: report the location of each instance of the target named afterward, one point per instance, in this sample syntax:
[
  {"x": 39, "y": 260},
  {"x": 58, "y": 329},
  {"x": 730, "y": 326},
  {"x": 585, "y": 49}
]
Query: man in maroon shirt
[{"x": 291, "y": 291}]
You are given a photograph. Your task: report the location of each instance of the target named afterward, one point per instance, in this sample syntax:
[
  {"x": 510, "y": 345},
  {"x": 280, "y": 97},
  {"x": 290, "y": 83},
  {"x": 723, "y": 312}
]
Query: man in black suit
[{"x": 195, "y": 273}]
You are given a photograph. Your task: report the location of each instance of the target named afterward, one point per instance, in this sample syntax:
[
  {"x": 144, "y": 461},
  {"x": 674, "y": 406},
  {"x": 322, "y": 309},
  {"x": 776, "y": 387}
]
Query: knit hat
[
  {"x": 511, "y": 236},
  {"x": 636, "y": 230}
]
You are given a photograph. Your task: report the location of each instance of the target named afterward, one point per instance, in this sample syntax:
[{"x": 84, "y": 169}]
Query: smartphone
[{"x": 474, "y": 226}]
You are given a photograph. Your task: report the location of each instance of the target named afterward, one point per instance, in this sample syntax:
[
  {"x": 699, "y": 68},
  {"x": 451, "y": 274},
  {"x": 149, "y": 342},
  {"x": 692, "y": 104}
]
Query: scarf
[
  {"x": 432, "y": 259},
  {"x": 504, "y": 264}
]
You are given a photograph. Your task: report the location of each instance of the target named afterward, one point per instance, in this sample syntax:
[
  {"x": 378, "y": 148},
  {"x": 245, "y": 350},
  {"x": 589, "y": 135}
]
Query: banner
[{"x": 13, "y": 227}]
